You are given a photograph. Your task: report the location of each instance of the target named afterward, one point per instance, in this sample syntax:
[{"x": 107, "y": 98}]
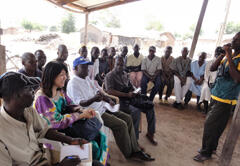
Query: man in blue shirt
[{"x": 224, "y": 96}]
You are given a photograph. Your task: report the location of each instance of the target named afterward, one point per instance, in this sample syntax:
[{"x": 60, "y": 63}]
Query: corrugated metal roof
[{"x": 82, "y": 6}]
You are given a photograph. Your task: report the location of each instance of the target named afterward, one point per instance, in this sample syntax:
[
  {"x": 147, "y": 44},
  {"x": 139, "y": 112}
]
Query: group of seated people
[{"x": 44, "y": 101}]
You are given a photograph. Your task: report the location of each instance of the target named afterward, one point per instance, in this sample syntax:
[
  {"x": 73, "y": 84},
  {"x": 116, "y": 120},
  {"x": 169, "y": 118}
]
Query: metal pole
[
  {"x": 86, "y": 29},
  {"x": 223, "y": 24},
  {"x": 198, "y": 28}
]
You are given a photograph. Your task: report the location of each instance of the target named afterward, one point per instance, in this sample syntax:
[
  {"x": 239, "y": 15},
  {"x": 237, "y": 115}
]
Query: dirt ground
[{"x": 179, "y": 135}]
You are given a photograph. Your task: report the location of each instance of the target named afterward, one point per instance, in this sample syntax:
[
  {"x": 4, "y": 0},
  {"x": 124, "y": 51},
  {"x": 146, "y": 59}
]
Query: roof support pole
[
  {"x": 2, "y": 59},
  {"x": 86, "y": 29},
  {"x": 231, "y": 139},
  {"x": 2, "y": 55},
  {"x": 198, "y": 28},
  {"x": 223, "y": 24}
]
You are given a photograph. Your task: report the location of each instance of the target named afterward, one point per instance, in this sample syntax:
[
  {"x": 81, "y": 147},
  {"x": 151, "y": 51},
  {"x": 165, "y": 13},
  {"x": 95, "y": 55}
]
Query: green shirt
[{"x": 225, "y": 89}]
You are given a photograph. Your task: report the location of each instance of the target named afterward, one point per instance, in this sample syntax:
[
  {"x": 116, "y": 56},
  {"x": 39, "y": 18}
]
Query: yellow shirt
[
  {"x": 133, "y": 61},
  {"x": 19, "y": 144}
]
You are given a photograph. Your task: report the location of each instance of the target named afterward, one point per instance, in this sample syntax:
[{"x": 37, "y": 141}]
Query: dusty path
[{"x": 179, "y": 135}]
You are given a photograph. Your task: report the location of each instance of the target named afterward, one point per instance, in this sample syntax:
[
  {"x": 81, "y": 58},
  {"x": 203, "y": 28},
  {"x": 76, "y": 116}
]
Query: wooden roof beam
[
  {"x": 120, "y": 2},
  {"x": 69, "y": 9},
  {"x": 72, "y": 5},
  {"x": 64, "y": 2}
]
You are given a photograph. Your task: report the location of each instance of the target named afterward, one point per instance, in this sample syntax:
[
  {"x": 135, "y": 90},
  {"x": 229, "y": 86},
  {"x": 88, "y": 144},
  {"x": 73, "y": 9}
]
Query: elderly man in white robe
[{"x": 209, "y": 79}]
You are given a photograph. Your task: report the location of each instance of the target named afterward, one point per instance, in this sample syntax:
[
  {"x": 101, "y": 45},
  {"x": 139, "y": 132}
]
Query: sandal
[{"x": 201, "y": 158}]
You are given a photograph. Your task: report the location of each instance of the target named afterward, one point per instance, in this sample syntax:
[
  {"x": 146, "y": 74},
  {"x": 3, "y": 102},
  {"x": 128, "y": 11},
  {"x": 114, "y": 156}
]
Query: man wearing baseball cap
[
  {"x": 84, "y": 92},
  {"x": 21, "y": 126}
]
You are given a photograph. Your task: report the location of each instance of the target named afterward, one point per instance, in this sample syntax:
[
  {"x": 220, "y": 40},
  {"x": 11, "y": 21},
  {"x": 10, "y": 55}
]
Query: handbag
[
  {"x": 87, "y": 128},
  {"x": 84, "y": 128}
]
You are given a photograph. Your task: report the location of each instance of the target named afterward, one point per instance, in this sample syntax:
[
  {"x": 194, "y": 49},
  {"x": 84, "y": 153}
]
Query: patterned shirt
[
  {"x": 52, "y": 110},
  {"x": 38, "y": 73},
  {"x": 166, "y": 63},
  {"x": 181, "y": 65}
]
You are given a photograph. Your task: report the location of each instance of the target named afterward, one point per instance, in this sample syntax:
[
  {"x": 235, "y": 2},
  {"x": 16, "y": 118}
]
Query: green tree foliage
[
  {"x": 53, "y": 28},
  {"x": 232, "y": 28},
  {"x": 189, "y": 35},
  {"x": 107, "y": 19},
  {"x": 177, "y": 35},
  {"x": 28, "y": 25},
  {"x": 68, "y": 24},
  {"x": 154, "y": 25}
]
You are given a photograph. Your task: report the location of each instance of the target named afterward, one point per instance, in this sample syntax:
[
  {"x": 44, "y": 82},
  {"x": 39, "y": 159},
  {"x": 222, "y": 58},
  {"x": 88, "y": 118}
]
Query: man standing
[
  {"x": 167, "y": 75},
  {"x": 134, "y": 62},
  {"x": 41, "y": 59},
  {"x": 94, "y": 70},
  {"x": 62, "y": 54},
  {"x": 118, "y": 84},
  {"x": 62, "y": 57},
  {"x": 111, "y": 57},
  {"x": 83, "y": 91},
  {"x": 182, "y": 77},
  {"x": 30, "y": 66},
  {"x": 83, "y": 52},
  {"x": 197, "y": 69},
  {"x": 124, "y": 52},
  {"x": 103, "y": 67},
  {"x": 224, "y": 96},
  {"x": 151, "y": 68}
]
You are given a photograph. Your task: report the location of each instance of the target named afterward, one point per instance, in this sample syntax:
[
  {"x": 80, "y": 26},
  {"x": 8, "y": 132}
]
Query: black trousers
[
  {"x": 170, "y": 85},
  {"x": 214, "y": 126},
  {"x": 188, "y": 97}
]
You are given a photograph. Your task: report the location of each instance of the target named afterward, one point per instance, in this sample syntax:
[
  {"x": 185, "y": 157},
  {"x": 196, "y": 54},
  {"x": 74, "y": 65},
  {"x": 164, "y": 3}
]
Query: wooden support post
[
  {"x": 198, "y": 28},
  {"x": 86, "y": 29},
  {"x": 231, "y": 139},
  {"x": 2, "y": 59},
  {"x": 223, "y": 25}
]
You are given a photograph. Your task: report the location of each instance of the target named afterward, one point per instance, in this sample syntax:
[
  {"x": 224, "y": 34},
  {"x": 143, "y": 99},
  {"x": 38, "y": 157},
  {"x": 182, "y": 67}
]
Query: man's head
[
  {"x": 168, "y": 51},
  {"x": 112, "y": 51},
  {"x": 202, "y": 57},
  {"x": 83, "y": 51},
  {"x": 152, "y": 50},
  {"x": 80, "y": 66},
  {"x": 17, "y": 89},
  {"x": 124, "y": 51},
  {"x": 41, "y": 58},
  {"x": 136, "y": 49},
  {"x": 185, "y": 52},
  {"x": 104, "y": 54},
  {"x": 62, "y": 52},
  {"x": 29, "y": 62},
  {"x": 95, "y": 52},
  {"x": 119, "y": 64},
  {"x": 236, "y": 42}
]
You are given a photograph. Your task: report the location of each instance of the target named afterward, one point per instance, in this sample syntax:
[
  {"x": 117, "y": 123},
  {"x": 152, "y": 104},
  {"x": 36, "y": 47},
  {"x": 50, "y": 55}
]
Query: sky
[{"x": 175, "y": 15}]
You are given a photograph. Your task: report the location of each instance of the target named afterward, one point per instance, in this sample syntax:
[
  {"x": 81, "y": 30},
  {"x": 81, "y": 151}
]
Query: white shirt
[
  {"x": 209, "y": 75},
  {"x": 93, "y": 70},
  {"x": 79, "y": 89}
]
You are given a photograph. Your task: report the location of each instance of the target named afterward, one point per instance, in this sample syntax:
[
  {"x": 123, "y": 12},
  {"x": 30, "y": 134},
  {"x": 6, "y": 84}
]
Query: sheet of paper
[
  {"x": 137, "y": 90},
  {"x": 69, "y": 150},
  {"x": 115, "y": 108}
]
